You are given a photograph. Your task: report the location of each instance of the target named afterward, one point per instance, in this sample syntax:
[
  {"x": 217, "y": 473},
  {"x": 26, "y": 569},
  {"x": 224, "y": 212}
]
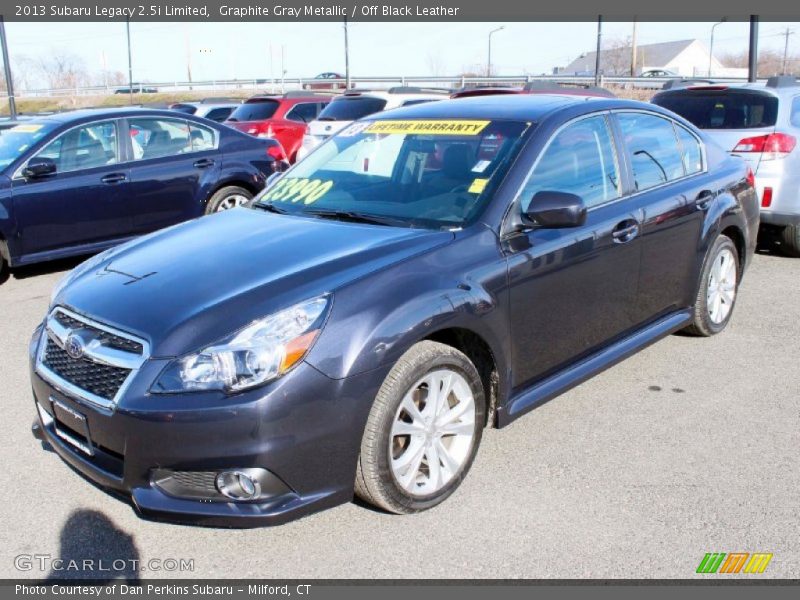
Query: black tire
[
  {"x": 375, "y": 481},
  {"x": 224, "y": 194},
  {"x": 790, "y": 241},
  {"x": 702, "y": 324}
]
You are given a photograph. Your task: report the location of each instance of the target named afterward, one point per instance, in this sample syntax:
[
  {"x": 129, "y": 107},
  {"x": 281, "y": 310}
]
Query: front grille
[
  {"x": 107, "y": 338},
  {"x": 101, "y": 380},
  {"x": 200, "y": 481}
]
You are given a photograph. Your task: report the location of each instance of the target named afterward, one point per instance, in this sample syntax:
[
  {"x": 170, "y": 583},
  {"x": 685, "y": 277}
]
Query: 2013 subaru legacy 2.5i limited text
[{"x": 424, "y": 273}]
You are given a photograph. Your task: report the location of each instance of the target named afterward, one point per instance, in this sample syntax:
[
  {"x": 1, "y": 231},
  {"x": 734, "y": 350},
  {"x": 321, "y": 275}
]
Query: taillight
[
  {"x": 276, "y": 152},
  {"x": 773, "y": 145},
  {"x": 265, "y": 130},
  {"x": 751, "y": 177},
  {"x": 766, "y": 198}
]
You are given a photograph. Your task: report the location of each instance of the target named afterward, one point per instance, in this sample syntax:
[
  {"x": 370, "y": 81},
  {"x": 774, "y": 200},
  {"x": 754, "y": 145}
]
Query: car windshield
[
  {"x": 723, "y": 109},
  {"x": 351, "y": 108},
  {"x": 17, "y": 140},
  {"x": 412, "y": 173},
  {"x": 255, "y": 110}
]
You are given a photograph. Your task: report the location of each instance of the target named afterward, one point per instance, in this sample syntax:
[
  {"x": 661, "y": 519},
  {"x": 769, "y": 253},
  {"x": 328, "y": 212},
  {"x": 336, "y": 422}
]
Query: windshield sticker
[
  {"x": 477, "y": 186},
  {"x": 354, "y": 129},
  {"x": 295, "y": 190},
  {"x": 480, "y": 166},
  {"x": 428, "y": 127},
  {"x": 26, "y": 128}
]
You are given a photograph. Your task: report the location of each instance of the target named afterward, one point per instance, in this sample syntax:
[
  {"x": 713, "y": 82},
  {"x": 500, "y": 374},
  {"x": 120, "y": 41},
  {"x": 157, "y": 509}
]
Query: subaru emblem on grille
[{"x": 74, "y": 346}]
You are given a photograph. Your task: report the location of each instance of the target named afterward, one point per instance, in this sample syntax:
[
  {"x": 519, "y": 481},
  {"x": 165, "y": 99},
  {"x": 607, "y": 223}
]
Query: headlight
[{"x": 262, "y": 351}]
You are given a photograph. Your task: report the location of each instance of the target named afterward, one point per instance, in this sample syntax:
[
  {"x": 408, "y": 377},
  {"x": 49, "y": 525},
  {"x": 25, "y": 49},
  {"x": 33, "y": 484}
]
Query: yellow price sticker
[
  {"x": 296, "y": 189},
  {"x": 460, "y": 127},
  {"x": 477, "y": 186}
]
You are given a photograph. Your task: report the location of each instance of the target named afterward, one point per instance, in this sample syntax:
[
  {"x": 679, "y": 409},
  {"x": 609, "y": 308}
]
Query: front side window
[
  {"x": 84, "y": 147},
  {"x": 157, "y": 137},
  {"x": 580, "y": 160},
  {"x": 653, "y": 149},
  {"x": 16, "y": 140},
  {"x": 413, "y": 173}
]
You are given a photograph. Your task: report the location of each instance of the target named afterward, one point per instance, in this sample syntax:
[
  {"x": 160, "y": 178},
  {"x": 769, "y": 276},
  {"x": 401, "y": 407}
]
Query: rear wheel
[
  {"x": 790, "y": 241},
  {"x": 227, "y": 198},
  {"x": 423, "y": 430},
  {"x": 719, "y": 283}
]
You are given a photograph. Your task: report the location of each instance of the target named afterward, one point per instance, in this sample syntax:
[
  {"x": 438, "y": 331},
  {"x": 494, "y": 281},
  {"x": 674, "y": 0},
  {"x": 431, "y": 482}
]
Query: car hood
[{"x": 195, "y": 283}]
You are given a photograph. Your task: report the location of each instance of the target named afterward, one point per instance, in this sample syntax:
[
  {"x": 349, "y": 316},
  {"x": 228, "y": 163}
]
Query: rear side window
[
  {"x": 723, "y": 109},
  {"x": 258, "y": 109},
  {"x": 653, "y": 149},
  {"x": 580, "y": 159},
  {"x": 219, "y": 114},
  {"x": 156, "y": 137},
  {"x": 690, "y": 149},
  {"x": 304, "y": 112},
  {"x": 351, "y": 108}
]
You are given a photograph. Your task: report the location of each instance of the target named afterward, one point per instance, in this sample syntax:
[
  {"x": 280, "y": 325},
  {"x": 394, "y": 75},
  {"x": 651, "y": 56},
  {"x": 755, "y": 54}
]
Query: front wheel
[
  {"x": 423, "y": 431},
  {"x": 227, "y": 198},
  {"x": 719, "y": 283}
]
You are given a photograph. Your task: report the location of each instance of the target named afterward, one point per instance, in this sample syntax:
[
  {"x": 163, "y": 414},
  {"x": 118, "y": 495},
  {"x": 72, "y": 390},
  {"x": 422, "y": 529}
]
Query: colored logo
[{"x": 734, "y": 562}]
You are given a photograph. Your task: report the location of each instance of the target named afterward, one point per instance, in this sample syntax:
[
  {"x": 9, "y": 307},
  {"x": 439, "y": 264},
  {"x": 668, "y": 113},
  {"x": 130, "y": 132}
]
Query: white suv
[
  {"x": 357, "y": 104},
  {"x": 761, "y": 123}
]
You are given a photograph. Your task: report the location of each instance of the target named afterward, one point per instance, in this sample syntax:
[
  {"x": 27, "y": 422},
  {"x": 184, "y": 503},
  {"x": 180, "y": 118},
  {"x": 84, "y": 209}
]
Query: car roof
[
  {"x": 527, "y": 107},
  {"x": 89, "y": 114}
]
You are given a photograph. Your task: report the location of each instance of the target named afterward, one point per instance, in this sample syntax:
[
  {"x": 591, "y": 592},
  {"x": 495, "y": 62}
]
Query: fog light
[{"x": 238, "y": 485}]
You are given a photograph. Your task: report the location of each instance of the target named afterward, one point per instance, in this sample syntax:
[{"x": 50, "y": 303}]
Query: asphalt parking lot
[{"x": 692, "y": 446}]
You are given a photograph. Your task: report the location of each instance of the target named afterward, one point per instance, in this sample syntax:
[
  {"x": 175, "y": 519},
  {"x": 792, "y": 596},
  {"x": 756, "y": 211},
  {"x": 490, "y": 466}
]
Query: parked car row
[
  {"x": 79, "y": 182},
  {"x": 425, "y": 272}
]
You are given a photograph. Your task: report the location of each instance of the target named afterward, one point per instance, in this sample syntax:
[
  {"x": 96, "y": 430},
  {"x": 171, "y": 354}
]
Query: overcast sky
[{"x": 227, "y": 50}]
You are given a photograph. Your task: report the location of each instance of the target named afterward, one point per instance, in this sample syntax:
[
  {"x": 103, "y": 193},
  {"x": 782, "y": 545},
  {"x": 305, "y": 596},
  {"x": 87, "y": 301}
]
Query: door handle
[
  {"x": 204, "y": 163},
  {"x": 704, "y": 199},
  {"x": 114, "y": 178},
  {"x": 625, "y": 232}
]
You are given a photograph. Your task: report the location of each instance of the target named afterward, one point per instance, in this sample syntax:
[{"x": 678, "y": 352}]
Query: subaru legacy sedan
[
  {"x": 423, "y": 274},
  {"x": 78, "y": 182}
]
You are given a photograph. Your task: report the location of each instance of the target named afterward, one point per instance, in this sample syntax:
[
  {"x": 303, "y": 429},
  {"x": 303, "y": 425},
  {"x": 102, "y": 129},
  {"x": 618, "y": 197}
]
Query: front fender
[{"x": 374, "y": 321}]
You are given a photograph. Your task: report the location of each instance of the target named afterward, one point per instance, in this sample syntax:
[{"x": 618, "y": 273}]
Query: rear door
[
  {"x": 666, "y": 166},
  {"x": 85, "y": 201},
  {"x": 174, "y": 165}
]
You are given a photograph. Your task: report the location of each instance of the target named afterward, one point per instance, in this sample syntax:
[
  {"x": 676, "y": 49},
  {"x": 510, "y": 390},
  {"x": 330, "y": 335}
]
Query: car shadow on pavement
[
  {"x": 45, "y": 268},
  {"x": 92, "y": 548}
]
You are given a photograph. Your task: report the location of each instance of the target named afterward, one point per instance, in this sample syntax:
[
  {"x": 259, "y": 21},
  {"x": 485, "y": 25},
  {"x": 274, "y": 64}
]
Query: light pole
[
  {"x": 346, "y": 58},
  {"x": 711, "y": 44},
  {"x": 489, "y": 58},
  {"x": 12, "y": 104},
  {"x": 130, "y": 61}
]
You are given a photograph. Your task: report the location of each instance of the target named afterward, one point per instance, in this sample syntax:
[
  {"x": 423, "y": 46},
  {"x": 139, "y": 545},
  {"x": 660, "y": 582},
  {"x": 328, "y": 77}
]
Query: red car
[{"x": 281, "y": 117}]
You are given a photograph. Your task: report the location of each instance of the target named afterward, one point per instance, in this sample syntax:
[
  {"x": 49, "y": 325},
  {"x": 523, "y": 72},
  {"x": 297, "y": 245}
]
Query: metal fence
[{"x": 288, "y": 84}]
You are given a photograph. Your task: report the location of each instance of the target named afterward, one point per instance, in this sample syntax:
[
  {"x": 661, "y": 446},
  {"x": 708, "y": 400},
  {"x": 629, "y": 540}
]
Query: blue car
[
  {"x": 78, "y": 182},
  {"x": 425, "y": 273}
]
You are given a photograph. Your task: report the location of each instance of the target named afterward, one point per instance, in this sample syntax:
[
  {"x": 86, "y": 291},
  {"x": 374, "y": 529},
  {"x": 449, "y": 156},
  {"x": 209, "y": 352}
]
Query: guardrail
[{"x": 295, "y": 83}]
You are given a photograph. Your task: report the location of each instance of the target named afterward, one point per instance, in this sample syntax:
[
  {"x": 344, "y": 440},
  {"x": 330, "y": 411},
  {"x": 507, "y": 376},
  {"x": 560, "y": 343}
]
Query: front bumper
[{"x": 305, "y": 429}]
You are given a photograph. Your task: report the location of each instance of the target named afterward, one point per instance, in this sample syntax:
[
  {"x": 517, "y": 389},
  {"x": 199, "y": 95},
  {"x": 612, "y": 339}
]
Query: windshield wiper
[
  {"x": 346, "y": 215},
  {"x": 270, "y": 207}
]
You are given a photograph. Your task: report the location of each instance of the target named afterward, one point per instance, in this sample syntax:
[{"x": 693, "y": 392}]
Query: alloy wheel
[
  {"x": 232, "y": 201},
  {"x": 432, "y": 432},
  {"x": 721, "y": 286}
]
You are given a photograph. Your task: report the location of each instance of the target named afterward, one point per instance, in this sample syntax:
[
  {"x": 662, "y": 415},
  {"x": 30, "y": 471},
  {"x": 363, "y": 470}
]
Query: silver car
[{"x": 761, "y": 123}]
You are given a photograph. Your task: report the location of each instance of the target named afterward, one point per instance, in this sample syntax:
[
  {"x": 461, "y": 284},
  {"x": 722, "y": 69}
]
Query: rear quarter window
[
  {"x": 653, "y": 148},
  {"x": 723, "y": 109}
]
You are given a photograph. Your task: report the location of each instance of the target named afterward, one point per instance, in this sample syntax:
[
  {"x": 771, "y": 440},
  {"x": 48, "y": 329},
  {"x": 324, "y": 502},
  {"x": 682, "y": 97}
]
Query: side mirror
[
  {"x": 555, "y": 210},
  {"x": 39, "y": 167}
]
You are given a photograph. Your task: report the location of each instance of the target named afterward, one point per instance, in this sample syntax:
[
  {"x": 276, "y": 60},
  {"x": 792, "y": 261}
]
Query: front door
[
  {"x": 573, "y": 290},
  {"x": 84, "y": 201}
]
